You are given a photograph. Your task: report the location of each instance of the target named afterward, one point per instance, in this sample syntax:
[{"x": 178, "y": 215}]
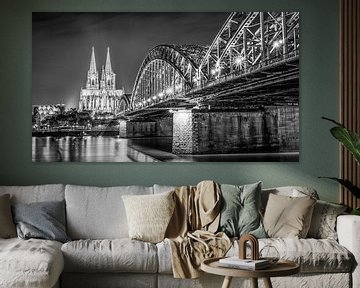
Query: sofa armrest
[{"x": 348, "y": 230}]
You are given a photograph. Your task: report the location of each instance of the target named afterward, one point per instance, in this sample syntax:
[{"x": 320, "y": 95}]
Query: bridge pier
[
  {"x": 156, "y": 128},
  {"x": 272, "y": 129},
  {"x": 131, "y": 129}
]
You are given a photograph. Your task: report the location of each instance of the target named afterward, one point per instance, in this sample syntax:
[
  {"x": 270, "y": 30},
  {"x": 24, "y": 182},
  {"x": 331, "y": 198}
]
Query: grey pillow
[
  {"x": 323, "y": 222},
  {"x": 240, "y": 212},
  {"x": 44, "y": 220}
]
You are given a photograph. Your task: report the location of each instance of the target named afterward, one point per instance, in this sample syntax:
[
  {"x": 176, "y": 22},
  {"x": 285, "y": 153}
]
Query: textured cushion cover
[
  {"x": 287, "y": 216},
  {"x": 116, "y": 255},
  {"x": 313, "y": 255},
  {"x": 32, "y": 263},
  {"x": 7, "y": 226},
  {"x": 323, "y": 223},
  {"x": 44, "y": 220},
  {"x": 149, "y": 215},
  {"x": 98, "y": 212},
  {"x": 240, "y": 210}
]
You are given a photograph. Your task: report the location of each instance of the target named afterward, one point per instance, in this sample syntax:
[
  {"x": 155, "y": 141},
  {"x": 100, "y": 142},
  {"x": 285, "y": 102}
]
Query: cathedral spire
[
  {"x": 108, "y": 68},
  {"x": 92, "y": 75},
  {"x": 92, "y": 62}
]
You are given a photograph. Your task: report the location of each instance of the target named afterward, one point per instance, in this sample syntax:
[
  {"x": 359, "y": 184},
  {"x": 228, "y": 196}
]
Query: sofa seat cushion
[
  {"x": 110, "y": 255},
  {"x": 30, "y": 263},
  {"x": 313, "y": 255}
]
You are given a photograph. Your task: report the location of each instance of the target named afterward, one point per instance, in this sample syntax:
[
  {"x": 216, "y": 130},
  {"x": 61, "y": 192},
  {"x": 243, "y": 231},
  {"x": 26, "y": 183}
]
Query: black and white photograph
[{"x": 165, "y": 87}]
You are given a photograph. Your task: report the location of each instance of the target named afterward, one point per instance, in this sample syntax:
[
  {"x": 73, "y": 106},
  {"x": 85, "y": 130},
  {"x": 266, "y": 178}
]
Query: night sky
[{"x": 62, "y": 46}]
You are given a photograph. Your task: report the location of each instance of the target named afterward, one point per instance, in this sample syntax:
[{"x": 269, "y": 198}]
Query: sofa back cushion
[
  {"x": 98, "y": 212},
  {"x": 34, "y": 193},
  {"x": 7, "y": 226}
]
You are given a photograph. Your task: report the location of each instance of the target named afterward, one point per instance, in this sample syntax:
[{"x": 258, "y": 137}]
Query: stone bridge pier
[
  {"x": 271, "y": 129},
  {"x": 151, "y": 128}
]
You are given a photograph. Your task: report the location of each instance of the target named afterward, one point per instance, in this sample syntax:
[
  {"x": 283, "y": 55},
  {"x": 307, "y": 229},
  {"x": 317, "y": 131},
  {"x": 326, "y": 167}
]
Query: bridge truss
[{"x": 254, "y": 58}]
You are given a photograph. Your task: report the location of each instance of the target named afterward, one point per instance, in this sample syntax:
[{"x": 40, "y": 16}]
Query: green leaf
[
  {"x": 333, "y": 121},
  {"x": 347, "y": 184},
  {"x": 348, "y": 138},
  {"x": 355, "y": 211}
]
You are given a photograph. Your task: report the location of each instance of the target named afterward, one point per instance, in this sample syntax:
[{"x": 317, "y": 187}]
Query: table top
[{"x": 281, "y": 268}]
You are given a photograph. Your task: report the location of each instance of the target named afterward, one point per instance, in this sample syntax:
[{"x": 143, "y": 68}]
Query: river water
[
  {"x": 97, "y": 149},
  {"x": 114, "y": 149}
]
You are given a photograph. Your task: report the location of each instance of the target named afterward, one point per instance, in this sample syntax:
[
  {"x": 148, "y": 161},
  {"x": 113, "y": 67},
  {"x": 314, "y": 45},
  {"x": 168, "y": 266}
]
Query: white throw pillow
[{"x": 149, "y": 215}]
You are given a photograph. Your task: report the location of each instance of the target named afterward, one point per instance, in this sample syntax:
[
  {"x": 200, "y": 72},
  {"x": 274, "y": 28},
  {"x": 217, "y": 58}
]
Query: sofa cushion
[
  {"x": 287, "y": 216},
  {"x": 30, "y": 263},
  {"x": 98, "y": 212},
  {"x": 34, "y": 193},
  {"x": 313, "y": 255},
  {"x": 291, "y": 191},
  {"x": 7, "y": 226},
  {"x": 323, "y": 222},
  {"x": 240, "y": 210},
  {"x": 116, "y": 255},
  {"x": 149, "y": 215},
  {"x": 43, "y": 220},
  {"x": 109, "y": 280},
  {"x": 163, "y": 188}
]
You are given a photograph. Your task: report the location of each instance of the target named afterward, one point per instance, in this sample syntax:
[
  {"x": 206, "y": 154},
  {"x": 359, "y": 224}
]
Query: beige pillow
[
  {"x": 7, "y": 226},
  {"x": 149, "y": 215},
  {"x": 288, "y": 217}
]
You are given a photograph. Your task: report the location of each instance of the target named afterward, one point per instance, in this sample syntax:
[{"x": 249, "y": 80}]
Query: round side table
[{"x": 281, "y": 268}]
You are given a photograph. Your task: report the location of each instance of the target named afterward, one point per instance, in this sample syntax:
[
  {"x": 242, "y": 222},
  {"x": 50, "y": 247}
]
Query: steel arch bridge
[{"x": 254, "y": 57}]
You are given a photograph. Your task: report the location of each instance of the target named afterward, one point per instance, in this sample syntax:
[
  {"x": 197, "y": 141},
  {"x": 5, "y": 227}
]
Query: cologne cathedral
[{"x": 100, "y": 96}]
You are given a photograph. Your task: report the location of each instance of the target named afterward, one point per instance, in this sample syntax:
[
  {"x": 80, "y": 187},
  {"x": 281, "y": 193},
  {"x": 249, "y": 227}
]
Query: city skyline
[{"x": 62, "y": 44}]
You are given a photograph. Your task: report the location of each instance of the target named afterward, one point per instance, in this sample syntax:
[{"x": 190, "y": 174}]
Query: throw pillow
[
  {"x": 7, "y": 226},
  {"x": 323, "y": 222},
  {"x": 44, "y": 220},
  {"x": 149, "y": 215},
  {"x": 287, "y": 217},
  {"x": 240, "y": 212}
]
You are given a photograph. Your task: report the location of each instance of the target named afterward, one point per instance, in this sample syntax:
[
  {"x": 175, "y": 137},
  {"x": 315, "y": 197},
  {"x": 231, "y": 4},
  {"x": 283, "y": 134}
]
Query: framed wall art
[{"x": 165, "y": 87}]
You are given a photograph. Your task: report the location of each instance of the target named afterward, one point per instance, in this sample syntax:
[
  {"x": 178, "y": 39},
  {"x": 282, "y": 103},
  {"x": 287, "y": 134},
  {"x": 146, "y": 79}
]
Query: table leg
[
  {"x": 254, "y": 282},
  {"x": 267, "y": 283},
  {"x": 227, "y": 282}
]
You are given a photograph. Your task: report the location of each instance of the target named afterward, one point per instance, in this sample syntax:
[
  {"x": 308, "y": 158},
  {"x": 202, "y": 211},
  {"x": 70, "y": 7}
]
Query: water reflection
[
  {"x": 113, "y": 149},
  {"x": 80, "y": 149}
]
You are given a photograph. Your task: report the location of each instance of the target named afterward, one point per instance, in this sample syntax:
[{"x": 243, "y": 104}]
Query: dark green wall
[{"x": 318, "y": 97}]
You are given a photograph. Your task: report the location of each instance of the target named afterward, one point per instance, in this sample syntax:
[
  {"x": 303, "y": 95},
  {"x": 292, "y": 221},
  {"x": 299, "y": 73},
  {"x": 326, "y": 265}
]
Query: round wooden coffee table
[{"x": 281, "y": 268}]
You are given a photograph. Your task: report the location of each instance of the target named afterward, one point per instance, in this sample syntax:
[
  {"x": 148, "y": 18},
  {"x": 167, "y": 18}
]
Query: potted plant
[{"x": 351, "y": 142}]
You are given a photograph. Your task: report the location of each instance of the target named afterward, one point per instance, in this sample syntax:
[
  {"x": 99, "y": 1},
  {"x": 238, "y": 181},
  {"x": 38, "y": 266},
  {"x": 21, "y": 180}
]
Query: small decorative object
[
  {"x": 270, "y": 253},
  {"x": 254, "y": 246}
]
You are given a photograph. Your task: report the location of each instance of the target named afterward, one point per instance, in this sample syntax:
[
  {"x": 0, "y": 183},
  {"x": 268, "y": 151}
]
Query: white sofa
[{"x": 101, "y": 254}]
